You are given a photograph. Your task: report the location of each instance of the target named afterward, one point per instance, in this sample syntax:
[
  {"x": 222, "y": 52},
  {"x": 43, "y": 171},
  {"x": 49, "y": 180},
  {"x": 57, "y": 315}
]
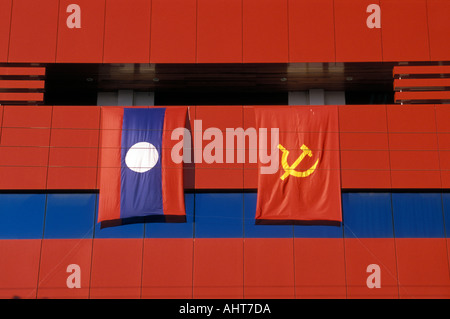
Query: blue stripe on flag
[{"x": 141, "y": 189}]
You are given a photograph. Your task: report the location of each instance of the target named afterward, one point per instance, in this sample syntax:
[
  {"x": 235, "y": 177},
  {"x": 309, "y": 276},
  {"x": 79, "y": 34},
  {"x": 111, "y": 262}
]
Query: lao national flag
[
  {"x": 306, "y": 186},
  {"x": 137, "y": 175}
]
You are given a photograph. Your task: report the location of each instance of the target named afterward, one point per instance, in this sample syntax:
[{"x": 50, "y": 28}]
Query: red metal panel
[
  {"x": 23, "y": 96},
  {"x": 421, "y": 69},
  {"x": 218, "y": 175},
  {"x": 167, "y": 268},
  {"x": 439, "y": 29},
  {"x": 24, "y": 156},
  {"x": 423, "y": 268},
  {"x": 365, "y": 160},
  {"x": 276, "y": 278},
  {"x": 354, "y": 178},
  {"x": 415, "y": 178},
  {"x": 173, "y": 31},
  {"x": 414, "y": 154},
  {"x": 413, "y": 141},
  {"x": 23, "y": 177},
  {"x": 127, "y": 31},
  {"x": 1, "y": 121},
  {"x": 265, "y": 31},
  {"x": 443, "y": 129},
  {"x": 428, "y": 84},
  {"x": 319, "y": 268},
  {"x": 74, "y": 147},
  {"x": 36, "y": 116},
  {"x": 448, "y": 249},
  {"x": 34, "y": 27},
  {"x": 17, "y": 70},
  {"x": 404, "y": 30},
  {"x": 355, "y": 41},
  {"x": 21, "y": 84},
  {"x": 411, "y": 118},
  {"x": 415, "y": 169},
  {"x": 218, "y": 268},
  {"x": 362, "y": 118},
  {"x": 444, "y": 141},
  {"x": 73, "y": 138},
  {"x": 445, "y": 176},
  {"x": 78, "y": 117},
  {"x": 365, "y": 169},
  {"x": 311, "y": 31},
  {"x": 219, "y": 31},
  {"x": 56, "y": 256},
  {"x": 19, "y": 265},
  {"x": 72, "y": 178},
  {"x": 116, "y": 268},
  {"x": 444, "y": 157},
  {"x": 362, "y": 252},
  {"x": 23, "y": 129},
  {"x": 364, "y": 146},
  {"x": 84, "y": 44},
  {"x": 24, "y": 167},
  {"x": 12, "y": 136},
  {"x": 418, "y": 152},
  {"x": 432, "y": 96},
  {"x": 72, "y": 168},
  {"x": 5, "y": 24},
  {"x": 443, "y": 118},
  {"x": 367, "y": 141}
]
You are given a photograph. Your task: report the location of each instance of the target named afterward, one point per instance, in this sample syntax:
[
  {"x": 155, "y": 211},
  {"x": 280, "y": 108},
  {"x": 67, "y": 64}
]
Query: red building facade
[{"x": 383, "y": 63}]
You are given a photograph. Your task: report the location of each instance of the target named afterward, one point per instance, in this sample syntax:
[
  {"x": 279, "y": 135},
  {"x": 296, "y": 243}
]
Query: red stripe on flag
[
  {"x": 110, "y": 162},
  {"x": 172, "y": 173}
]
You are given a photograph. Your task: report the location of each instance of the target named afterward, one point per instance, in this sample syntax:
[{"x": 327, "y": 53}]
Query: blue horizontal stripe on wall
[
  {"x": 446, "y": 208},
  {"x": 219, "y": 215},
  {"x": 224, "y": 215},
  {"x": 69, "y": 215},
  {"x": 418, "y": 215},
  {"x": 367, "y": 215},
  {"x": 22, "y": 216}
]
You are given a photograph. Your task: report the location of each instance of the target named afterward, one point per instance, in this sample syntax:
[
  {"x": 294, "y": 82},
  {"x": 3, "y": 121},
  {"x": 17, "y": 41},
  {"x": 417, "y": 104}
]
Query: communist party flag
[{"x": 306, "y": 185}]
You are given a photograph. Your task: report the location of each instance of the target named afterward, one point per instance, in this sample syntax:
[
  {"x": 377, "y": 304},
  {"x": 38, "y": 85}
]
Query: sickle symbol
[{"x": 290, "y": 170}]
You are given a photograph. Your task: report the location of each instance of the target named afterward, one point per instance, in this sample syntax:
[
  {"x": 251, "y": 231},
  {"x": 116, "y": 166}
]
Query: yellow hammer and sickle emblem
[{"x": 290, "y": 170}]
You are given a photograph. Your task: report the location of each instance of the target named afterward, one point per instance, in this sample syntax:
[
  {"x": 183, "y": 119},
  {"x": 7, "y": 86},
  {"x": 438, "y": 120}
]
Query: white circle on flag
[{"x": 141, "y": 157}]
